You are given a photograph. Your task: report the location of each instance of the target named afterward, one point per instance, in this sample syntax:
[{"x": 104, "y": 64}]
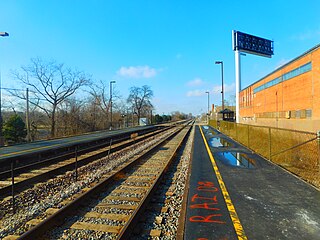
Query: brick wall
[{"x": 299, "y": 95}]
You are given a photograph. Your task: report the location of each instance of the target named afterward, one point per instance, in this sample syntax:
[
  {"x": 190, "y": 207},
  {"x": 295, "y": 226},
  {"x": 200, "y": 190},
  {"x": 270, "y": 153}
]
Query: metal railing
[{"x": 296, "y": 151}]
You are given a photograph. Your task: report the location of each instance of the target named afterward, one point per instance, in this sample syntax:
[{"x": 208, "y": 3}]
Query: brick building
[{"x": 288, "y": 97}]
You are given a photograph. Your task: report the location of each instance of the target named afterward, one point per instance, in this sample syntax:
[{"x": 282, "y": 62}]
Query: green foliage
[
  {"x": 14, "y": 129},
  {"x": 158, "y": 118},
  {"x": 163, "y": 118}
]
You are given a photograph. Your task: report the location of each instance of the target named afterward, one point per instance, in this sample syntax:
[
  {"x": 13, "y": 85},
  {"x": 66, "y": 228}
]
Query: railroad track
[
  {"x": 25, "y": 176},
  {"x": 111, "y": 208}
]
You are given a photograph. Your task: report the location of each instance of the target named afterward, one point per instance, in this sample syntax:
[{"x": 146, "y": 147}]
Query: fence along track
[
  {"x": 296, "y": 151},
  {"x": 23, "y": 180},
  {"x": 138, "y": 178}
]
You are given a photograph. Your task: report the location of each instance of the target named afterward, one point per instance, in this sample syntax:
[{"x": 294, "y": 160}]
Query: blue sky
[{"x": 169, "y": 45}]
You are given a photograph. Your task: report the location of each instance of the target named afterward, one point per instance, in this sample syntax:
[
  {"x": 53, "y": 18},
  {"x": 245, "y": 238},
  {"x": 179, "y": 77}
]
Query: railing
[{"x": 296, "y": 151}]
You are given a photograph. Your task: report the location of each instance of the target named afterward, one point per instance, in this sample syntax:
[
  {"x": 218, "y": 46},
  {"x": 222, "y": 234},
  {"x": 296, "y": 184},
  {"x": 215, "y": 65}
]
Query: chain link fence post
[
  {"x": 248, "y": 136},
  {"x": 318, "y": 138},
  {"x": 12, "y": 185},
  {"x": 236, "y": 131},
  {"x": 76, "y": 163},
  {"x": 270, "y": 138}
]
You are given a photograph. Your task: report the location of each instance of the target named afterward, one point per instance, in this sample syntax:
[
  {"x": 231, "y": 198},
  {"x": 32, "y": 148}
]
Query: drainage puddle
[
  {"x": 237, "y": 159},
  {"x": 219, "y": 142}
]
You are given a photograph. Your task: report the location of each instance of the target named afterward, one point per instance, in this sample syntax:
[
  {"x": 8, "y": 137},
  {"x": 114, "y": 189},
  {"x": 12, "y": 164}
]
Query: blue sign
[{"x": 252, "y": 44}]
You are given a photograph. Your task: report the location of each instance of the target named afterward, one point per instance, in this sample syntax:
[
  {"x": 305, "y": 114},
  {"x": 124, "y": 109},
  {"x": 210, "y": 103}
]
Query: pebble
[
  {"x": 171, "y": 206},
  {"x": 35, "y": 201}
]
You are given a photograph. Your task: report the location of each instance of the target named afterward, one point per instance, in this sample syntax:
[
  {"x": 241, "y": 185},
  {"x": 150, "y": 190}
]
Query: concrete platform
[
  {"x": 45, "y": 145},
  {"x": 236, "y": 194}
]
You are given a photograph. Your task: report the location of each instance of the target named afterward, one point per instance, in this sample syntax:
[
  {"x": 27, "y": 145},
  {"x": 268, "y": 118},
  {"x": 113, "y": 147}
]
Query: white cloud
[
  {"x": 137, "y": 72},
  {"x": 227, "y": 88},
  {"x": 196, "y": 93},
  {"x": 195, "y": 82}
]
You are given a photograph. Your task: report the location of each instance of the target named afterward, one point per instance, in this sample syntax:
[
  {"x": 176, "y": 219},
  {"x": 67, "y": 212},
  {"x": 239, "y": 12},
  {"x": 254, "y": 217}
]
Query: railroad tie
[{"x": 96, "y": 227}]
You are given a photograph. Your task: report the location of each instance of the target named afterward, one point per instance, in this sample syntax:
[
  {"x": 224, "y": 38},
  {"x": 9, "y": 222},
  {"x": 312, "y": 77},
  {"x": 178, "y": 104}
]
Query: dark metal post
[
  {"x": 127, "y": 118},
  {"x": 132, "y": 117},
  {"x": 2, "y": 34},
  {"x": 236, "y": 131},
  {"x": 1, "y": 121},
  {"x": 28, "y": 117},
  {"x": 248, "y": 136},
  {"x": 208, "y": 109},
  {"x": 76, "y": 165},
  {"x": 222, "y": 91},
  {"x": 109, "y": 149},
  {"x": 111, "y": 103},
  {"x": 270, "y": 144},
  {"x": 12, "y": 185},
  {"x": 318, "y": 138}
]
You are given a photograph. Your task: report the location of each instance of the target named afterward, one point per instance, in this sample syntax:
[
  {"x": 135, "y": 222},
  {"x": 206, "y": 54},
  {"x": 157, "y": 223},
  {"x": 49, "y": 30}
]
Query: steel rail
[
  {"x": 32, "y": 155},
  {"x": 57, "y": 218},
  {"x": 127, "y": 230},
  {"x": 22, "y": 185}
]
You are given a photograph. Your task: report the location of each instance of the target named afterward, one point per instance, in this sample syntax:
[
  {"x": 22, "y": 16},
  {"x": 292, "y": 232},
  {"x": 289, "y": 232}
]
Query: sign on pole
[
  {"x": 243, "y": 42},
  {"x": 251, "y": 44}
]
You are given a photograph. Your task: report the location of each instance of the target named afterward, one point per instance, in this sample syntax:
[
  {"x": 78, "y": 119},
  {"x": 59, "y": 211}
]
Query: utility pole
[
  {"x": 208, "y": 109},
  {"x": 2, "y": 34},
  {"x": 28, "y": 117},
  {"x": 111, "y": 103},
  {"x": 222, "y": 91},
  {"x": 1, "y": 121}
]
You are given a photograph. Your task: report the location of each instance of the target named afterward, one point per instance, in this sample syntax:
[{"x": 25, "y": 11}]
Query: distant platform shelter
[{"x": 227, "y": 115}]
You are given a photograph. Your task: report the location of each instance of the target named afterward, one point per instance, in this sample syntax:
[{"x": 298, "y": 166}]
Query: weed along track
[{"x": 108, "y": 205}]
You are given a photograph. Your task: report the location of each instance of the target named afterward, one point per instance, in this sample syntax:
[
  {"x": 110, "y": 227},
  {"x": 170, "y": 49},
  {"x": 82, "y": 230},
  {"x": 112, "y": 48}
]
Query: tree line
[{"x": 56, "y": 108}]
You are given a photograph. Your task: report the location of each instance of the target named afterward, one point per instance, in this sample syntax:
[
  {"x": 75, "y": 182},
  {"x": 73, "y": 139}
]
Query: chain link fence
[{"x": 296, "y": 151}]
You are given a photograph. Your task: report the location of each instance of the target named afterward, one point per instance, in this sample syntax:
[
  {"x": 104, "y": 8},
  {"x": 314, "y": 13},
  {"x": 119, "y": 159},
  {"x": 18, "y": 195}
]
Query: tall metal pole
[
  {"x": 2, "y": 34},
  {"x": 127, "y": 118},
  {"x": 28, "y": 117},
  {"x": 132, "y": 117},
  {"x": 111, "y": 103},
  {"x": 208, "y": 108},
  {"x": 1, "y": 121},
  {"x": 238, "y": 83},
  {"x": 222, "y": 91}
]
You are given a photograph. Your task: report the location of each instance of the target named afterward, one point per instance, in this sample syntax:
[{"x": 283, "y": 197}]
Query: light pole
[
  {"x": 111, "y": 103},
  {"x": 208, "y": 107},
  {"x": 222, "y": 92},
  {"x": 2, "y": 34}
]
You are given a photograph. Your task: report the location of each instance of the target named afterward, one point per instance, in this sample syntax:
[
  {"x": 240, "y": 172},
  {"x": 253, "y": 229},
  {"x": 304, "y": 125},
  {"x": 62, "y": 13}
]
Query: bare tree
[
  {"x": 140, "y": 99},
  {"x": 100, "y": 98},
  {"x": 69, "y": 116},
  {"x": 52, "y": 83}
]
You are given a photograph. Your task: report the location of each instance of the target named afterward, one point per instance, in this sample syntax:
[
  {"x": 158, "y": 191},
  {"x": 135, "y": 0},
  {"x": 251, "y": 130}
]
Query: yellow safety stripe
[{"x": 232, "y": 211}]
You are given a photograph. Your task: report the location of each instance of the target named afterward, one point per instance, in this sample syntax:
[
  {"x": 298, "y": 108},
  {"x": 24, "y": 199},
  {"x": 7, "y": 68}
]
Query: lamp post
[
  {"x": 111, "y": 103},
  {"x": 208, "y": 108},
  {"x": 2, "y": 34},
  {"x": 222, "y": 92}
]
